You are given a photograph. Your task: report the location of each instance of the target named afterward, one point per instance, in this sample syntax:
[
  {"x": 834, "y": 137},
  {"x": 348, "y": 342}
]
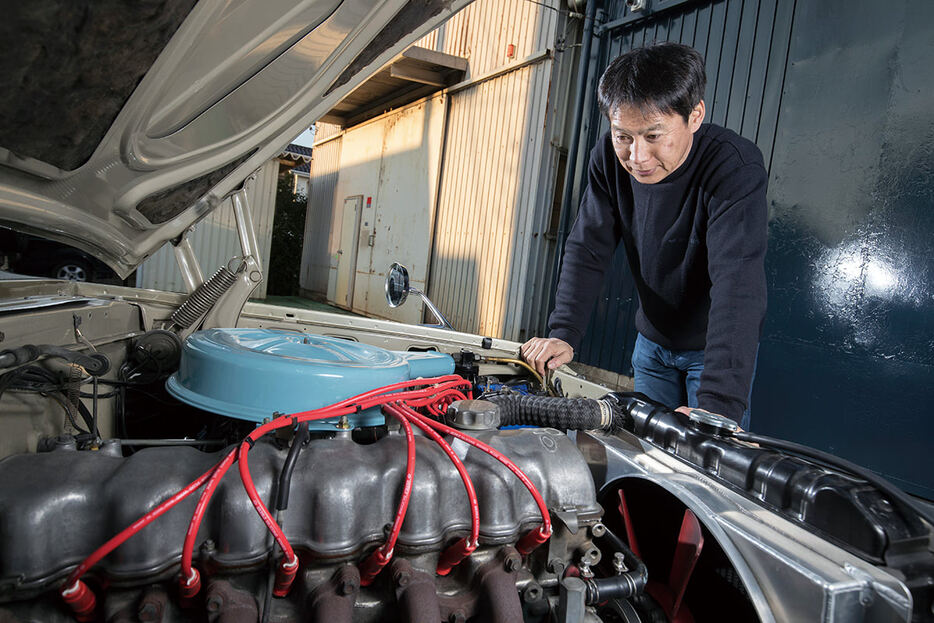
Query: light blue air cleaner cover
[{"x": 250, "y": 374}]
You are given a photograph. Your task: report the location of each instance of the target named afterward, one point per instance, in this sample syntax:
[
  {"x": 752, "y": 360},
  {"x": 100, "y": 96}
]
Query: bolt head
[
  {"x": 513, "y": 563},
  {"x": 533, "y": 592},
  {"x": 556, "y": 566},
  {"x": 148, "y": 612},
  {"x": 214, "y": 604}
]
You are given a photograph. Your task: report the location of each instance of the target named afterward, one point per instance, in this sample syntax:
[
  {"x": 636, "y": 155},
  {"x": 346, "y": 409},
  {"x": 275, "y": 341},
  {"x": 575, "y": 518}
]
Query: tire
[{"x": 72, "y": 269}]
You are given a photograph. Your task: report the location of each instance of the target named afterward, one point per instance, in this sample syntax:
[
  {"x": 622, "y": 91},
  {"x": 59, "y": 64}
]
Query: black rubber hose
[
  {"x": 563, "y": 413},
  {"x": 904, "y": 501},
  {"x": 95, "y": 364},
  {"x": 18, "y": 356},
  {"x": 285, "y": 478},
  {"x": 622, "y": 585}
]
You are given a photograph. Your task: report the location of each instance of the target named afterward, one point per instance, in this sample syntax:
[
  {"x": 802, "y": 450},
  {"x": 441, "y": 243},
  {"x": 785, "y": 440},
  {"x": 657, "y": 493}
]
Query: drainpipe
[{"x": 582, "y": 80}]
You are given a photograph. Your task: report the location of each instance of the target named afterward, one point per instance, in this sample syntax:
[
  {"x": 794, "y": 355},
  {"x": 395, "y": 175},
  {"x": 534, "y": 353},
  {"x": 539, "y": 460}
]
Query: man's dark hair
[{"x": 664, "y": 77}]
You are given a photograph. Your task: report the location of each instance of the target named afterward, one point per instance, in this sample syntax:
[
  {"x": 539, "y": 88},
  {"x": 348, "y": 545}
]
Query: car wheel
[{"x": 71, "y": 269}]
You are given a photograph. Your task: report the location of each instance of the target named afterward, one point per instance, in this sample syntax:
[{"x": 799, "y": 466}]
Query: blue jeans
[{"x": 671, "y": 377}]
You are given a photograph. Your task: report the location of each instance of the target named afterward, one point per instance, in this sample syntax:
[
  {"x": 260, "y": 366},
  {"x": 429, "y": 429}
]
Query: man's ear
[{"x": 696, "y": 118}]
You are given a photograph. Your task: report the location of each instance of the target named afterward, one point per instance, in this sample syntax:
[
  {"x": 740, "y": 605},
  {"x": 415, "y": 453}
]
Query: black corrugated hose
[{"x": 563, "y": 413}]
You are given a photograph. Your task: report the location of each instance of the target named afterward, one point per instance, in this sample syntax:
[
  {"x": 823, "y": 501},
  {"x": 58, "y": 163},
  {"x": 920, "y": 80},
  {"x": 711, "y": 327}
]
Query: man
[{"x": 687, "y": 200}]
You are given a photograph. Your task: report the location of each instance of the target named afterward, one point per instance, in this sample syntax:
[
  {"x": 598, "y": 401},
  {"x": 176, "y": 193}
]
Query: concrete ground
[{"x": 303, "y": 303}]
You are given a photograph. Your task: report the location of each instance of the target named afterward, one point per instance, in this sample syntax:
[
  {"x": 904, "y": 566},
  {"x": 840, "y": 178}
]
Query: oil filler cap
[{"x": 474, "y": 415}]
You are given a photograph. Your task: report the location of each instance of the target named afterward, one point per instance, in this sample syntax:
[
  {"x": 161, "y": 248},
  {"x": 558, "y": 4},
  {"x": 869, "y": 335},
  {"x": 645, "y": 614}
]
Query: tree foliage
[{"x": 288, "y": 233}]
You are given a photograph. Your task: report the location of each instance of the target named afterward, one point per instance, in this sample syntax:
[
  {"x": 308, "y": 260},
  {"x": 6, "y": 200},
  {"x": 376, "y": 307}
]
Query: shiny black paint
[
  {"x": 839, "y": 96},
  {"x": 847, "y": 357},
  {"x": 851, "y": 513}
]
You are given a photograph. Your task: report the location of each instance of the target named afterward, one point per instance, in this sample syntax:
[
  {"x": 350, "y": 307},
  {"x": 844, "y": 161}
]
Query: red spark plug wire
[
  {"x": 190, "y": 580},
  {"x": 383, "y": 554},
  {"x": 534, "y": 538},
  {"x": 453, "y": 555},
  {"x": 76, "y": 593},
  {"x": 81, "y": 599}
]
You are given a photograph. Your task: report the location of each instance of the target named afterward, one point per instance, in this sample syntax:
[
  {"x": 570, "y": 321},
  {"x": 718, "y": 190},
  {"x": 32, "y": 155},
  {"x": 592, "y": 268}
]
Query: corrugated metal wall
[
  {"x": 323, "y": 213},
  {"x": 495, "y": 201},
  {"x": 745, "y": 44},
  {"x": 215, "y": 238},
  {"x": 491, "y": 250},
  {"x": 481, "y": 32},
  {"x": 837, "y": 95},
  {"x": 490, "y": 254}
]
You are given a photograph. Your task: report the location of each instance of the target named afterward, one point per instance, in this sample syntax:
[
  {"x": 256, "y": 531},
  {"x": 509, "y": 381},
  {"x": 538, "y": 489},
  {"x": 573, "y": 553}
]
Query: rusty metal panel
[
  {"x": 215, "y": 239},
  {"x": 490, "y": 248},
  {"x": 322, "y": 215}
]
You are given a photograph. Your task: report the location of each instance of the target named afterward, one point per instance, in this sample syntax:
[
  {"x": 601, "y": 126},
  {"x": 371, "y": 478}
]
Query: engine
[
  {"x": 257, "y": 475},
  {"x": 408, "y": 504},
  {"x": 342, "y": 495}
]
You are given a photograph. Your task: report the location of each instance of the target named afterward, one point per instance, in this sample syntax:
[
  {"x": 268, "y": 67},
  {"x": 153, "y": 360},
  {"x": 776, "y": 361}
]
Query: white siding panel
[{"x": 215, "y": 238}]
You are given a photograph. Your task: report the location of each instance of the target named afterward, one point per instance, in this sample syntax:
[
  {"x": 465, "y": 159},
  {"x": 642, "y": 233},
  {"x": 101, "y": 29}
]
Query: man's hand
[{"x": 546, "y": 353}]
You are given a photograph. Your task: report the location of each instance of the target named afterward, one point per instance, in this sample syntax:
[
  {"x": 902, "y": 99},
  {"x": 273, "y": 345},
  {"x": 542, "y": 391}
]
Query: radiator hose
[{"x": 563, "y": 413}]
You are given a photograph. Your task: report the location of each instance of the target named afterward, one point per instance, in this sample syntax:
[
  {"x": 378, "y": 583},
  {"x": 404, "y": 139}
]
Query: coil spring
[{"x": 204, "y": 297}]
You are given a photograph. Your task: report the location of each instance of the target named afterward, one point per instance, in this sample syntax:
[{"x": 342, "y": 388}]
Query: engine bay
[{"x": 344, "y": 470}]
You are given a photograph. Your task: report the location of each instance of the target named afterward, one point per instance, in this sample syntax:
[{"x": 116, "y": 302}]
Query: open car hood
[{"x": 123, "y": 124}]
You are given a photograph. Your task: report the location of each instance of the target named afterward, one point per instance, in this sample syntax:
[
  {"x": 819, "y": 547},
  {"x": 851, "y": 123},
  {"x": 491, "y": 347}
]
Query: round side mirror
[{"x": 397, "y": 285}]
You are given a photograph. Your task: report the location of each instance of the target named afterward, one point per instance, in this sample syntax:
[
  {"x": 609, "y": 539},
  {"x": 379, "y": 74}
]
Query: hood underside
[{"x": 124, "y": 123}]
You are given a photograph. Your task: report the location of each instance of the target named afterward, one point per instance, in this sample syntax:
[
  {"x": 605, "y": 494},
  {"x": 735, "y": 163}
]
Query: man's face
[{"x": 650, "y": 146}]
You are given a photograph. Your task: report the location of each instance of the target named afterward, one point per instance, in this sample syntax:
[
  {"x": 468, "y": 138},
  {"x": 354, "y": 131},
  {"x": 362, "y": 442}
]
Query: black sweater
[{"x": 695, "y": 243}]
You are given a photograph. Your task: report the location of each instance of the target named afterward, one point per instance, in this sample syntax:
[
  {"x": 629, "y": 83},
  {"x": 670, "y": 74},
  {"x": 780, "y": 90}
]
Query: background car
[{"x": 27, "y": 254}]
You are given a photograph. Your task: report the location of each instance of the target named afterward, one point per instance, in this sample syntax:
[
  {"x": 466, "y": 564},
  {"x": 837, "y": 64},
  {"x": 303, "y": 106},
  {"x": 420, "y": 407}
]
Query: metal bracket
[{"x": 226, "y": 310}]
